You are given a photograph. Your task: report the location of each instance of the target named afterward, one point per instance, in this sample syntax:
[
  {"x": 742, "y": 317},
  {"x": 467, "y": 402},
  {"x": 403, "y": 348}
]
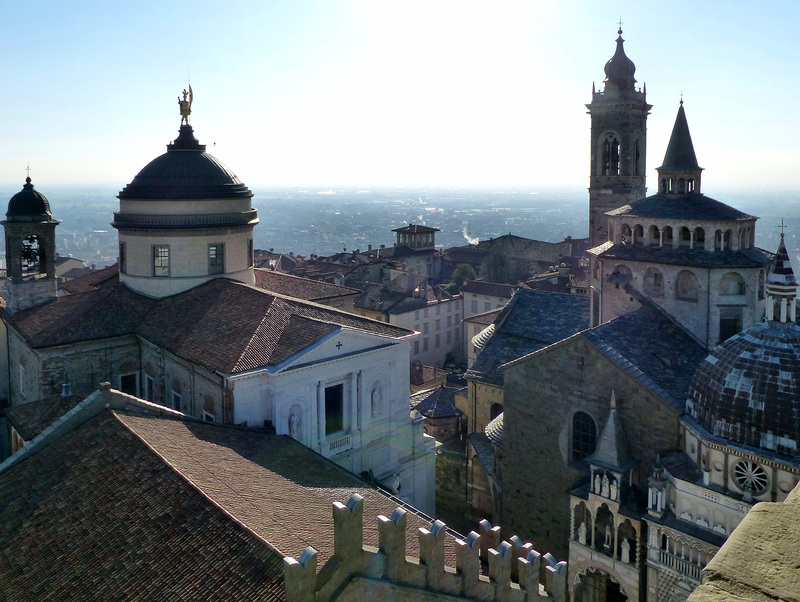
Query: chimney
[
  {"x": 369, "y": 247},
  {"x": 65, "y": 390}
]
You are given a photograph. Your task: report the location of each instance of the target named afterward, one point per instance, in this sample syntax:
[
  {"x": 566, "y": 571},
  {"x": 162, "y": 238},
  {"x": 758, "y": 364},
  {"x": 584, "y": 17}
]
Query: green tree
[{"x": 462, "y": 272}]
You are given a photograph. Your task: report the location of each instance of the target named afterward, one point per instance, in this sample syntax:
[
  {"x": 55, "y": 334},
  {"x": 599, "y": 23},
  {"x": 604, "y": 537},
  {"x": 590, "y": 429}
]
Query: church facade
[{"x": 187, "y": 328}]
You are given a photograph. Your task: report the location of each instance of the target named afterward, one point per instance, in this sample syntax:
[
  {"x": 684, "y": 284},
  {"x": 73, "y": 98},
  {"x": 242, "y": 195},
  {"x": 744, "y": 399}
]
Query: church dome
[
  {"x": 748, "y": 388},
  {"x": 619, "y": 68},
  {"x": 28, "y": 205},
  {"x": 185, "y": 171}
]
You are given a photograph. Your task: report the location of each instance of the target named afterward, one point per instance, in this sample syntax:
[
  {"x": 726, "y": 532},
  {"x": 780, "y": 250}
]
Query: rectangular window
[
  {"x": 216, "y": 258},
  {"x": 438, "y": 324},
  {"x": 425, "y": 313},
  {"x": 449, "y": 321},
  {"x": 424, "y": 328},
  {"x": 438, "y": 340},
  {"x": 129, "y": 383},
  {"x": 457, "y": 332},
  {"x": 250, "y": 260},
  {"x": 425, "y": 344},
  {"x": 474, "y": 306},
  {"x": 334, "y": 409},
  {"x": 416, "y": 314},
  {"x": 487, "y": 306},
  {"x": 176, "y": 401},
  {"x": 123, "y": 260},
  {"x": 438, "y": 309},
  {"x": 449, "y": 337},
  {"x": 149, "y": 388},
  {"x": 161, "y": 260},
  {"x": 416, "y": 347}
]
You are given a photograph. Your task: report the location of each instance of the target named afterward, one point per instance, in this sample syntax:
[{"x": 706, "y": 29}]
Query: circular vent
[{"x": 749, "y": 475}]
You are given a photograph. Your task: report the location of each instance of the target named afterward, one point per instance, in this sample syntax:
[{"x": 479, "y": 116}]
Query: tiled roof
[
  {"x": 30, "y": 419},
  {"x": 745, "y": 258},
  {"x": 223, "y": 324},
  {"x": 484, "y": 451},
  {"x": 300, "y": 288},
  {"x": 487, "y": 288},
  {"x": 106, "y": 276},
  {"x": 130, "y": 506},
  {"x": 421, "y": 374},
  {"x": 655, "y": 351},
  {"x": 484, "y": 318},
  {"x": 690, "y": 206},
  {"x": 416, "y": 229},
  {"x": 531, "y": 321},
  {"x": 436, "y": 403}
]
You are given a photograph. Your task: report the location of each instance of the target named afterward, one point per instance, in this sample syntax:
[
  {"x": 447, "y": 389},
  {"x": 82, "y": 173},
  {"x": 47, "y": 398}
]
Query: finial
[
  {"x": 681, "y": 97},
  {"x": 28, "y": 169},
  {"x": 619, "y": 31},
  {"x": 782, "y": 226}
]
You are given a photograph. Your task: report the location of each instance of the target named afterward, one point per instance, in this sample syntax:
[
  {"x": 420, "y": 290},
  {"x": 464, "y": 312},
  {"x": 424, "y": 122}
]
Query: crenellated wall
[{"x": 516, "y": 572}]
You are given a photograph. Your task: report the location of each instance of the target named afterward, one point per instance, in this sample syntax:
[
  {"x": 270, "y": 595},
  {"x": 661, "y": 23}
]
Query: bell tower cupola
[
  {"x": 680, "y": 173},
  {"x": 30, "y": 249},
  {"x": 618, "y": 142}
]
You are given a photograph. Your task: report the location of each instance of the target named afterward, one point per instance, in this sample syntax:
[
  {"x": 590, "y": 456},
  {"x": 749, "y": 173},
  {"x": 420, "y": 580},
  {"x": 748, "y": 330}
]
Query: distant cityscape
[{"x": 327, "y": 220}]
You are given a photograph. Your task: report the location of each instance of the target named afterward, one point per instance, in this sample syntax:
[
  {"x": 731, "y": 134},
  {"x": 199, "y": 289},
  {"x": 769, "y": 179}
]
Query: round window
[{"x": 750, "y": 475}]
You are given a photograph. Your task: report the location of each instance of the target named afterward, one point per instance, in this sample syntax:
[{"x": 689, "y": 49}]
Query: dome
[
  {"x": 748, "y": 389},
  {"x": 619, "y": 68},
  {"x": 185, "y": 171},
  {"x": 494, "y": 431},
  {"x": 28, "y": 205}
]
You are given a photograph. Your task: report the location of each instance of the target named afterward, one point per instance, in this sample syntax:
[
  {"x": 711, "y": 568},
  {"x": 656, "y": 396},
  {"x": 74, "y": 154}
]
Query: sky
[{"x": 375, "y": 92}]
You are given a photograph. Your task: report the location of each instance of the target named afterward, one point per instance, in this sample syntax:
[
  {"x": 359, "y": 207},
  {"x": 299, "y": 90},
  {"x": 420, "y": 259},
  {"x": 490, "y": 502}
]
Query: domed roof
[
  {"x": 494, "y": 431},
  {"x": 185, "y": 171},
  {"x": 748, "y": 388},
  {"x": 619, "y": 68},
  {"x": 28, "y": 205}
]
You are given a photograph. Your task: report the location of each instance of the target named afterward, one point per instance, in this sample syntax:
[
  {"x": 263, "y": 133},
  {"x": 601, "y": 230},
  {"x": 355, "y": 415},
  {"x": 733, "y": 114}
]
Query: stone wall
[{"x": 542, "y": 394}]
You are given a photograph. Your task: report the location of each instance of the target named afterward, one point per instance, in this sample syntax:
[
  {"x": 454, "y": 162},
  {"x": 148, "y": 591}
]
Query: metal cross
[
  {"x": 339, "y": 345},
  {"x": 782, "y": 227},
  {"x": 28, "y": 169},
  {"x": 620, "y": 21}
]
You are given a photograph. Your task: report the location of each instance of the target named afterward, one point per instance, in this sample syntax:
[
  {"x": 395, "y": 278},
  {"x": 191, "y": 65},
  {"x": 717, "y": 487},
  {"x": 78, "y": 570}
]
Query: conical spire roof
[
  {"x": 612, "y": 448},
  {"x": 619, "y": 68},
  {"x": 680, "y": 151},
  {"x": 781, "y": 272}
]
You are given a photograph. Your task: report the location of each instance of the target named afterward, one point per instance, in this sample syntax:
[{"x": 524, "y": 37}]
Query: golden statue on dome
[{"x": 186, "y": 105}]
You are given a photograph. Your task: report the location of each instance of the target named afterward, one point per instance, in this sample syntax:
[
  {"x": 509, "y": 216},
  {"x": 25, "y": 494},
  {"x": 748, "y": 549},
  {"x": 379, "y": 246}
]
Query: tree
[{"x": 462, "y": 272}]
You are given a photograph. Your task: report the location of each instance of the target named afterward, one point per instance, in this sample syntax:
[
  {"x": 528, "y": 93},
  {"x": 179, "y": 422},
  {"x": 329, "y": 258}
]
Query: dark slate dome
[
  {"x": 28, "y": 205},
  {"x": 185, "y": 171},
  {"x": 748, "y": 389},
  {"x": 619, "y": 68}
]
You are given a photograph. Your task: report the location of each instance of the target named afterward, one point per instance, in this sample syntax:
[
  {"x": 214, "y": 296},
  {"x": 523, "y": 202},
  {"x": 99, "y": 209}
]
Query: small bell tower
[
  {"x": 30, "y": 249},
  {"x": 618, "y": 142}
]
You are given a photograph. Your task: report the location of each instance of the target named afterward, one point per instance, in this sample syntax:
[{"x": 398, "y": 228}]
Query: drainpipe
[{"x": 708, "y": 304}]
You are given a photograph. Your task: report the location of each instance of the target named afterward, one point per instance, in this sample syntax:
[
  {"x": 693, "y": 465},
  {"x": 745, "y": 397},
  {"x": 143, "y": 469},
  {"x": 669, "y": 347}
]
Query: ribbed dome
[
  {"x": 185, "y": 171},
  {"x": 480, "y": 339},
  {"x": 28, "y": 205},
  {"x": 619, "y": 68},
  {"x": 748, "y": 389}
]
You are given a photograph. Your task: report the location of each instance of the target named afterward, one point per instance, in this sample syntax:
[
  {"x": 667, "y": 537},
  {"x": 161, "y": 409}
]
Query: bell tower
[
  {"x": 30, "y": 249},
  {"x": 618, "y": 143}
]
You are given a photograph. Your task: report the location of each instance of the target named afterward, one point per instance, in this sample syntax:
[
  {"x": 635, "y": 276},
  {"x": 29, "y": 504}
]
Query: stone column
[{"x": 321, "y": 413}]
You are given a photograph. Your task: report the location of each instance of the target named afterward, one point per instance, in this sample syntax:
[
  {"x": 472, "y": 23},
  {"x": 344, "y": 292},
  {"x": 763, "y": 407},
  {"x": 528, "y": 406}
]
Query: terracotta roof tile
[
  {"x": 300, "y": 288},
  {"x": 30, "y": 419}
]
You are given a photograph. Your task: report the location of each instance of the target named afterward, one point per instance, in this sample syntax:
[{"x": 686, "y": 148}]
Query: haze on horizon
[{"x": 360, "y": 93}]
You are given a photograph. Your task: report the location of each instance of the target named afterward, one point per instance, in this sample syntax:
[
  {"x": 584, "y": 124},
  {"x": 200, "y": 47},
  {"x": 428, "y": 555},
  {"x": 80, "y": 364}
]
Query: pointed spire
[
  {"x": 781, "y": 289},
  {"x": 680, "y": 150},
  {"x": 612, "y": 448}
]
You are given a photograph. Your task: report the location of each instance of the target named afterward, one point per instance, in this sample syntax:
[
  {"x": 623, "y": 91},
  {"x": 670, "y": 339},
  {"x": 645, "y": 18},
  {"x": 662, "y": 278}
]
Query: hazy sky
[{"x": 378, "y": 92}]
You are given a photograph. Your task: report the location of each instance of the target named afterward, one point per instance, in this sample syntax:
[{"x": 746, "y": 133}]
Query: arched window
[
  {"x": 686, "y": 287},
  {"x": 495, "y": 410},
  {"x": 667, "y": 236},
  {"x": 718, "y": 240},
  {"x": 636, "y": 157},
  {"x": 690, "y": 185},
  {"x": 732, "y": 284},
  {"x": 655, "y": 238},
  {"x": 654, "y": 282},
  {"x": 726, "y": 240},
  {"x": 584, "y": 435},
  {"x": 32, "y": 257},
  {"x": 699, "y": 238},
  {"x": 663, "y": 185},
  {"x": 638, "y": 235},
  {"x": 610, "y": 155},
  {"x": 685, "y": 237},
  {"x": 626, "y": 233},
  {"x": 681, "y": 185}
]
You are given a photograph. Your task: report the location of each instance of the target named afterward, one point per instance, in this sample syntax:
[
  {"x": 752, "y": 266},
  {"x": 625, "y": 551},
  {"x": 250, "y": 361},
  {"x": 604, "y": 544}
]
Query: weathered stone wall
[
  {"x": 451, "y": 486},
  {"x": 542, "y": 394}
]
